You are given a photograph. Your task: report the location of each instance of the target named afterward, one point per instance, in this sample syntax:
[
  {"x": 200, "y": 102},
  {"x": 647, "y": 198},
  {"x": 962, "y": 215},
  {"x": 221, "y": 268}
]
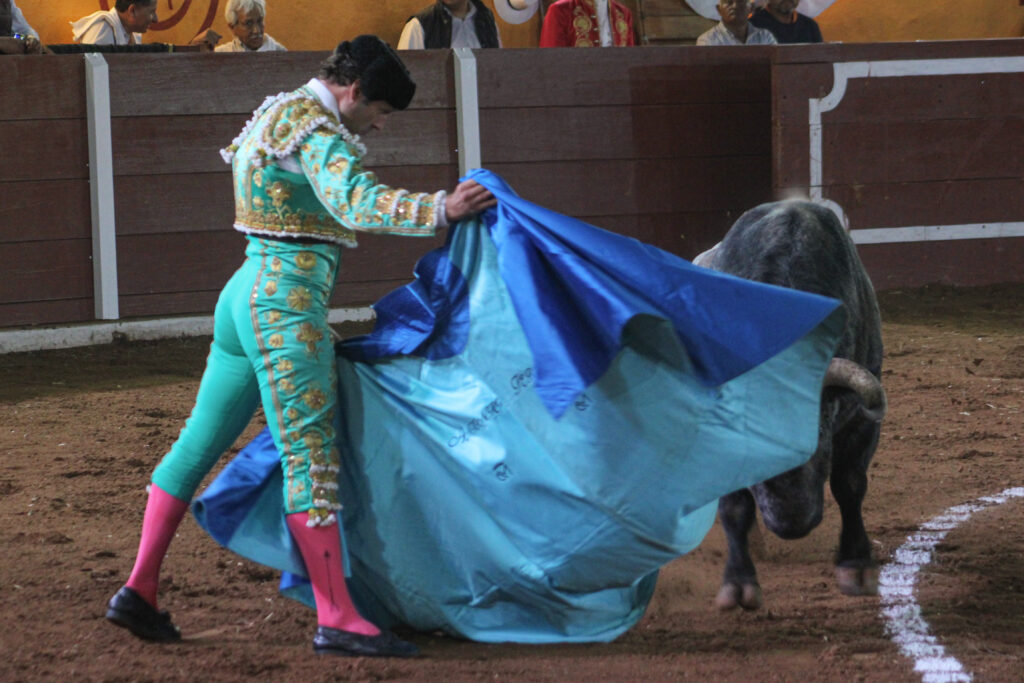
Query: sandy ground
[{"x": 83, "y": 428}]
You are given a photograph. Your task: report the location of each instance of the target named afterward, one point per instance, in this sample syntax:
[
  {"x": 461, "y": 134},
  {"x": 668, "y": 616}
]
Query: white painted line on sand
[{"x": 896, "y": 584}]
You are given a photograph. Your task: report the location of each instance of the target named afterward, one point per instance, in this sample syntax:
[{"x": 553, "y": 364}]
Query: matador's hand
[{"x": 468, "y": 198}]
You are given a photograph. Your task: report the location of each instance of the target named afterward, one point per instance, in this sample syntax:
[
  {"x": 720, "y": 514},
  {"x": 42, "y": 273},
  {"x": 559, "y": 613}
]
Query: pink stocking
[
  {"x": 321, "y": 550},
  {"x": 163, "y": 515}
]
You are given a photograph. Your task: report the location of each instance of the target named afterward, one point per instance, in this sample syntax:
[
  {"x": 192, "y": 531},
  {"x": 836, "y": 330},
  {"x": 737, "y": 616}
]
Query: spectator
[
  {"x": 587, "y": 23},
  {"x": 785, "y": 23},
  {"x": 735, "y": 28},
  {"x": 16, "y": 36},
  {"x": 450, "y": 23},
  {"x": 247, "y": 19},
  {"x": 123, "y": 24}
]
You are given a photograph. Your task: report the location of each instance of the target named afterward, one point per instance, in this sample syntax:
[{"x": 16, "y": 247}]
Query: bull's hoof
[
  {"x": 733, "y": 595},
  {"x": 857, "y": 580}
]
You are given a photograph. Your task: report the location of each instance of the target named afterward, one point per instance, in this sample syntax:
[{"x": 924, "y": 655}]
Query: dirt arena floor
[{"x": 83, "y": 428}]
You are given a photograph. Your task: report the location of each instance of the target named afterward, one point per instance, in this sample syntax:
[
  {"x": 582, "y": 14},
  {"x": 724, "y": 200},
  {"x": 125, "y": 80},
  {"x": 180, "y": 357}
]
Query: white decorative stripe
[
  {"x": 440, "y": 213},
  {"x": 896, "y": 583},
  {"x": 931, "y": 233},
  {"x": 393, "y": 211},
  {"x": 416, "y": 207},
  {"x": 843, "y": 72}
]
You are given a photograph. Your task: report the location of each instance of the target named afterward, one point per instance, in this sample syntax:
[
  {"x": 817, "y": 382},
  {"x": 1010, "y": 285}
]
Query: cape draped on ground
[{"x": 538, "y": 422}]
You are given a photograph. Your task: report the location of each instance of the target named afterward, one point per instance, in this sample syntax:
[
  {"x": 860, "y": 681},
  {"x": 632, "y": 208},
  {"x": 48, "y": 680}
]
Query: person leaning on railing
[
  {"x": 16, "y": 36},
  {"x": 124, "y": 24}
]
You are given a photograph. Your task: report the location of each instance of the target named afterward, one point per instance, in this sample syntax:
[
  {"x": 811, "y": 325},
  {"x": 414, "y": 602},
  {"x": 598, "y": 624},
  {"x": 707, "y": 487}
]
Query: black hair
[
  {"x": 123, "y": 5},
  {"x": 377, "y": 67}
]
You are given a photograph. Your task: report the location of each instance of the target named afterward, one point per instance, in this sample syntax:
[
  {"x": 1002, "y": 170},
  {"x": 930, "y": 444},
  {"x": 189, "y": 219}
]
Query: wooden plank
[
  {"x": 684, "y": 234},
  {"x": 33, "y": 211},
  {"x": 385, "y": 257},
  {"x": 620, "y": 132},
  {"x": 44, "y": 149},
  {"x": 57, "y": 312},
  {"x": 928, "y": 49},
  {"x": 161, "y": 263},
  {"x": 181, "y": 203},
  {"x": 603, "y": 188},
  {"x": 666, "y": 75},
  {"x": 199, "y": 302},
  {"x": 220, "y": 83},
  {"x": 51, "y": 88},
  {"x": 856, "y": 153},
  {"x": 150, "y": 145},
  {"x": 928, "y": 98},
  {"x": 62, "y": 269},
  {"x": 676, "y": 28},
  {"x": 964, "y": 263},
  {"x": 944, "y": 202}
]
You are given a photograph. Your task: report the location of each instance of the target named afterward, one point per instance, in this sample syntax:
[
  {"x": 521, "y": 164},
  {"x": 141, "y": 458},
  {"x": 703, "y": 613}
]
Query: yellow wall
[
  {"x": 320, "y": 24},
  {"x": 298, "y": 24},
  {"x": 868, "y": 21}
]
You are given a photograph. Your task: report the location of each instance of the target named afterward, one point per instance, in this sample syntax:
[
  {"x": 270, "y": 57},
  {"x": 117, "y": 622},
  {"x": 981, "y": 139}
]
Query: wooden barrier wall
[
  {"x": 911, "y": 151},
  {"x": 666, "y": 144},
  {"x": 171, "y": 114},
  {"x": 45, "y": 225},
  {"x": 173, "y": 190}
]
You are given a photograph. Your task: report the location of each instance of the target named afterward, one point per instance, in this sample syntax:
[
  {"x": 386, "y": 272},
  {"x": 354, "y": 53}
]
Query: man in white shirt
[
  {"x": 123, "y": 24},
  {"x": 735, "y": 27},
  {"x": 247, "y": 20},
  {"x": 450, "y": 23}
]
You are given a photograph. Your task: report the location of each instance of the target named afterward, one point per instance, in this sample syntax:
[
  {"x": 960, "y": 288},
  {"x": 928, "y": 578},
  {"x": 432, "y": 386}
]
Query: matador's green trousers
[{"x": 271, "y": 343}]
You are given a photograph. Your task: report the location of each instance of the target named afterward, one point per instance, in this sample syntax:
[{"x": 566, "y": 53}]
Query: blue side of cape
[{"x": 544, "y": 417}]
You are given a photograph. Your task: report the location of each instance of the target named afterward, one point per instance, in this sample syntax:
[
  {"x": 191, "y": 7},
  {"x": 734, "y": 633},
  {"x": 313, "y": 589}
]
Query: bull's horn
[{"x": 853, "y": 376}]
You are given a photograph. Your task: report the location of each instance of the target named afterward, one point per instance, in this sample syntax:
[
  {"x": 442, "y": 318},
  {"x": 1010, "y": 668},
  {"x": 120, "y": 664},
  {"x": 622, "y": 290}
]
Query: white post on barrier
[
  {"x": 467, "y": 110},
  {"x": 101, "y": 187}
]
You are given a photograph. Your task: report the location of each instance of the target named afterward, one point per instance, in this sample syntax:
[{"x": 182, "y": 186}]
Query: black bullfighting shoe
[
  {"x": 331, "y": 641},
  {"x": 129, "y": 610}
]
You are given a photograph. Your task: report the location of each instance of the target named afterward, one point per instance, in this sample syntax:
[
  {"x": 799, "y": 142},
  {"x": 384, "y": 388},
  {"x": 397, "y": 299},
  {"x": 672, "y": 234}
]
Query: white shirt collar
[
  {"x": 325, "y": 96},
  {"x": 469, "y": 14}
]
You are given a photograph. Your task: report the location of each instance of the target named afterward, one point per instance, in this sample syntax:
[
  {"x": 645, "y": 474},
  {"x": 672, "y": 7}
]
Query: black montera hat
[{"x": 382, "y": 75}]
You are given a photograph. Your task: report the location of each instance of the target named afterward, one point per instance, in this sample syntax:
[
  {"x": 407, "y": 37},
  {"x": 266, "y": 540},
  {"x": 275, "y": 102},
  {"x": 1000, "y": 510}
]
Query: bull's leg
[
  {"x": 856, "y": 571},
  {"x": 737, "y": 512}
]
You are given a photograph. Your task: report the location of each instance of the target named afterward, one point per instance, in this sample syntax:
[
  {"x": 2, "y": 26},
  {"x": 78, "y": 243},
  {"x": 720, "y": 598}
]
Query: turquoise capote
[{"x": 539, "y": 422}]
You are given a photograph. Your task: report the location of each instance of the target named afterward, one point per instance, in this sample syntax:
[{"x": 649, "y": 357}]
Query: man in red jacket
[{"x": 587, "y": 23}]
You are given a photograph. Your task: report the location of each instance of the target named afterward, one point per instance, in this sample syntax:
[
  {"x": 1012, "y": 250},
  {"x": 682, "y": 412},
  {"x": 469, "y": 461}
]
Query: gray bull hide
[{"x": 801, "y": 245}]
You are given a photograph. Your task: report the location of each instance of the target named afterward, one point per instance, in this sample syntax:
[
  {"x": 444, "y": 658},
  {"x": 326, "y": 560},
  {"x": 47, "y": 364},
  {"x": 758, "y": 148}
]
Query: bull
[{"x": 803, "y": 246}]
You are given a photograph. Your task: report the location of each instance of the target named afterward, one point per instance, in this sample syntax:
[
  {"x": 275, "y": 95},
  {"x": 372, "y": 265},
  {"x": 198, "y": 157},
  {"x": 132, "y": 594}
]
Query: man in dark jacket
[
  {"x": 450, "y": 23},
  {"x": 785, "y": 23}
]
